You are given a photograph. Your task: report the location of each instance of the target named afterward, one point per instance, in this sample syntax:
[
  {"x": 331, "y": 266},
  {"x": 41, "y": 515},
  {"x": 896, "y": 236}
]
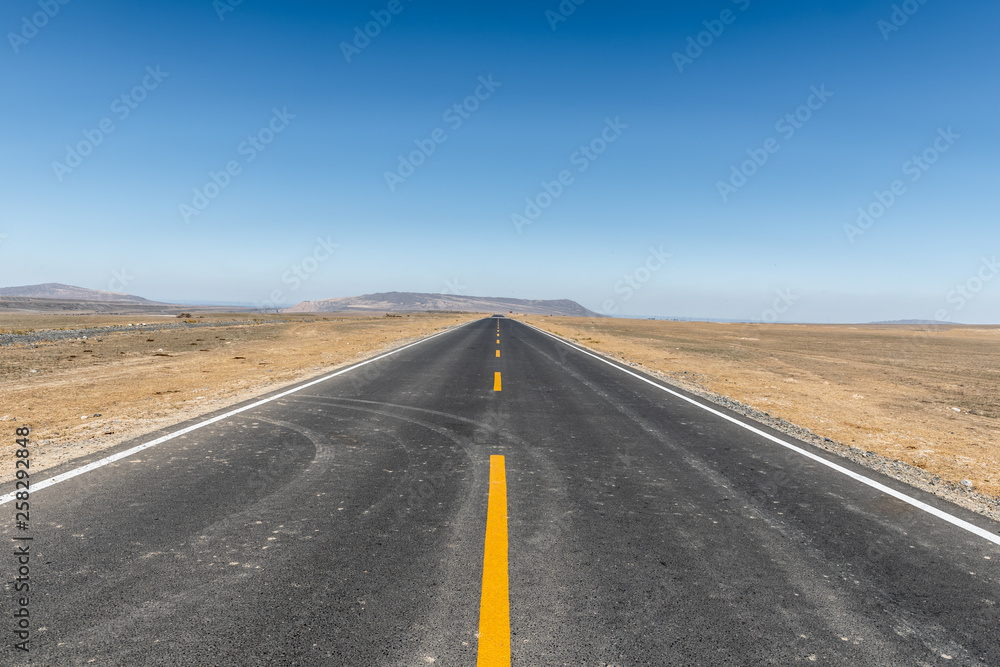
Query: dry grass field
[
  {"x": 927, "y": 396},
  {"x": 82, "y": 395}
]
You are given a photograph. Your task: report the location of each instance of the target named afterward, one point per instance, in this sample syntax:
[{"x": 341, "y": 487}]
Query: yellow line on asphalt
[
  {"x": 498, "y": 353},
  {"x": 494, "y": 608},
  {"x": 496, "y": 381}
]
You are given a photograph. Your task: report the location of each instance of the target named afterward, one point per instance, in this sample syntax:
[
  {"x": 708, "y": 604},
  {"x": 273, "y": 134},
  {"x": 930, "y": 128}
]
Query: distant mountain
[
  {"x": 60, "y": 291},
  {"x": 916, "y": 322},
  {"x": 419, "y": 302}
]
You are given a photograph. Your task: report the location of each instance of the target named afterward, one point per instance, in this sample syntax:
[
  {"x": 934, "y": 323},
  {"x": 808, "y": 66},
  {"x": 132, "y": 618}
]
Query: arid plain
[
  {"x": 81, "y": 395},
  {"x": 927, "y": 396}
]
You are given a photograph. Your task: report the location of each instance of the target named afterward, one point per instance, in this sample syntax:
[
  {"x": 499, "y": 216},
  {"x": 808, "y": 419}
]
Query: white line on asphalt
[
  {"x": 965, "y": 525},
  {"x": 6, "y": 498}
]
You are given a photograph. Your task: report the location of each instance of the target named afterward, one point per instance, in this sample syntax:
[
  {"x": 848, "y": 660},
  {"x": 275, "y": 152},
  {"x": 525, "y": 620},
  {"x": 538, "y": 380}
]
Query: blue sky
[{"x": 779, "y": 240}]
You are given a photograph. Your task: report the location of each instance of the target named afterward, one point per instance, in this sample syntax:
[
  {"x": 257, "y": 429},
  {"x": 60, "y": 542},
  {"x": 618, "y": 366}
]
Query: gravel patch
[{"x": 49, "y": 335}]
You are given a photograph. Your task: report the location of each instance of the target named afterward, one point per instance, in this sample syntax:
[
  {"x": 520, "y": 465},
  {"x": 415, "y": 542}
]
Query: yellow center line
[
  {"x": 498, "y": 353},
  {"x": 496, "y": 381},
  {"x": 494, "y": 608}
]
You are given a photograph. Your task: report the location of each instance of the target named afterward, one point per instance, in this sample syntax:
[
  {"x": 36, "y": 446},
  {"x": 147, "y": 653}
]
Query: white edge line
[
  {"x": 7, "y": 497},
  {"x": 965, "y": 525}
]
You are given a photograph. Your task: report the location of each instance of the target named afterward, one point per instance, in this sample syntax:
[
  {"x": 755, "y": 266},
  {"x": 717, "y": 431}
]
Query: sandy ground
[
  {"x": 84, "y": 395},
  {"x": 926, "y": 396}
]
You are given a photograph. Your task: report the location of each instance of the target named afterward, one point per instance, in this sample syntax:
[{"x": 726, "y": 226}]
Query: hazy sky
[{"x": 700, "y": 159}]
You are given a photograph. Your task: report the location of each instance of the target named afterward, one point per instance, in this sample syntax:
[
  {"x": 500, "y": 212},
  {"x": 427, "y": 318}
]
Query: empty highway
[{"x": 495, "y": 481}]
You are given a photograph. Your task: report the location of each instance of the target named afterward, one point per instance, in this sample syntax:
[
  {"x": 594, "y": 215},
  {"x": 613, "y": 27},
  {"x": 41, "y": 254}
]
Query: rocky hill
[
  {"x": 394, "y": 302},
  {"x": 64, "y": 292}
]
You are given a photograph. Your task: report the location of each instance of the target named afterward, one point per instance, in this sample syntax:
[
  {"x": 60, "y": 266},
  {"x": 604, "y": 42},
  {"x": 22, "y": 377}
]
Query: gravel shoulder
[{"x": 885, "y": 397}]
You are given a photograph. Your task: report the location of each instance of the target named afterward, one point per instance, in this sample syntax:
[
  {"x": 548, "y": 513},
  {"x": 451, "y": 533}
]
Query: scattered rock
[{"x": 82, "y": 334}]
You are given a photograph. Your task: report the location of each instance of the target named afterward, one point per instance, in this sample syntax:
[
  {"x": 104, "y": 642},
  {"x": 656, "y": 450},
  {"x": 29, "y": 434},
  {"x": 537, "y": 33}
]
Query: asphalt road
[{"x": 344, "y": 524}]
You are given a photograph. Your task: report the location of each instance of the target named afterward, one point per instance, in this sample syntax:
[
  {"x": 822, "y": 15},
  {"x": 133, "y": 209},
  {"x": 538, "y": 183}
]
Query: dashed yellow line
[
  {"x": 498, "y": 353},
  {"x": 496, "y": 381},
  {"x": 494, "y": 606}
]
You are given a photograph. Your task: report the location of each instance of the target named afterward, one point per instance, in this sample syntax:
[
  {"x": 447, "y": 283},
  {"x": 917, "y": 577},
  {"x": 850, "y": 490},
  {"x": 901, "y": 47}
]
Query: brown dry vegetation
[
  {"x": 138, "y": 382},
  {"x": 888, "y": 389}
]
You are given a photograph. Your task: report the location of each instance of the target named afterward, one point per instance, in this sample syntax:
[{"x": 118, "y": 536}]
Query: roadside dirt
[
  {"x": 81, "y": 395},
  {"x": 920, "y": 403}
]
